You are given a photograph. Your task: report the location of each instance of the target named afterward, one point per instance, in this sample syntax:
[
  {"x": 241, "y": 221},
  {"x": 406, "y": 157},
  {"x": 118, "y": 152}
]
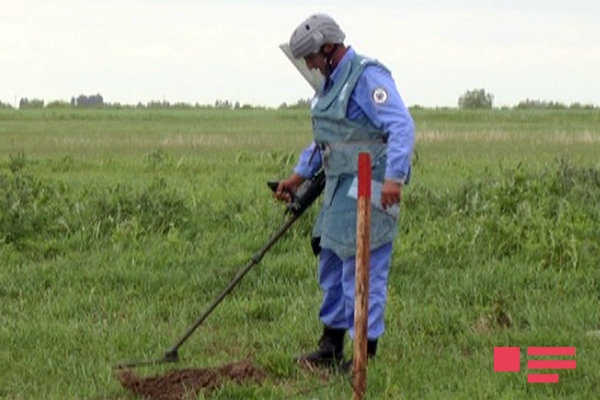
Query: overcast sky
[{"x": 197, "y": 51}]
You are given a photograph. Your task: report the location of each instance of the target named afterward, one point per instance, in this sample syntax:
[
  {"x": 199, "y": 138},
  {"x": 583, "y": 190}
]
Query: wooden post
[{"x": 361, "y": 301}]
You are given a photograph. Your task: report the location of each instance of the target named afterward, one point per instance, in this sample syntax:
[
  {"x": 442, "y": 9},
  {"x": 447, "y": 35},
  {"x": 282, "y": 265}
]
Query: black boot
[
  {"x": 330, "y": 352},
  {"x": 371, "y": 348},
  {"x": 346, "y": 366}
]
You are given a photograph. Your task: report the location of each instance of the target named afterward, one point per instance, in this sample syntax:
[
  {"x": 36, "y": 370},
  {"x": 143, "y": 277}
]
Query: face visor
[{"x": 314, "y": 77}]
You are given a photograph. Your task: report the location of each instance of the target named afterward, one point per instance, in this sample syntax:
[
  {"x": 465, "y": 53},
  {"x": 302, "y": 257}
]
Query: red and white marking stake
[{"x": 361, "y": 301}]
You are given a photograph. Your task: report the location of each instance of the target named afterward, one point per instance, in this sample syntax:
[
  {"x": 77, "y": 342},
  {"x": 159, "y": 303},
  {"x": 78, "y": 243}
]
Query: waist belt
[{"x": 324, "y": 145}]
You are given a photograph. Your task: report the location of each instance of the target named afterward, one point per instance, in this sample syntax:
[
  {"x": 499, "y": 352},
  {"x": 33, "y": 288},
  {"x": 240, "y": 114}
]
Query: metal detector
[{"x": 307, "y": 193}]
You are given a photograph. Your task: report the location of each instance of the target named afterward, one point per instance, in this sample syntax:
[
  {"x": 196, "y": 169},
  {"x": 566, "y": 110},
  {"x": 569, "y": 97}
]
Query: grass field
[{"x": 118, "y": 227}]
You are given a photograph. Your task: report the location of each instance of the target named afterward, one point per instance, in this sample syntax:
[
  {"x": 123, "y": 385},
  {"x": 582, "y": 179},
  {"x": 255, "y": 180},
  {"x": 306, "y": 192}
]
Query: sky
[{"x": 196, "y": 51}]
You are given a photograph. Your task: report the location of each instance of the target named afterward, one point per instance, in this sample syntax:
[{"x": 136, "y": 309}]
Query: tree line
[
  {"x": 97, "y": 101},
  {"x": 472, "y": 99},
  {"x": 480, "y": 99}
]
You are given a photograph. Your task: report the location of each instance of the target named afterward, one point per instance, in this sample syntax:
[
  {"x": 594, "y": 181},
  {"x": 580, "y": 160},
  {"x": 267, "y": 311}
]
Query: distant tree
[
  {"x": 540, "y": 104},
  {"x": 579, "y": 106},
  {"x": 158, "y": 104},
  {"x": 58, "y": 104},
  {"x": 33, "y": 103},
  {"x": 223, "y": 104},
  {"x": 300, "y": 104},
  {"x": 82, "y": 100},
  {"x": 181, "y": 105},
  {"x": 5, "y": 105},
  {"x": 476, "y": 99}
]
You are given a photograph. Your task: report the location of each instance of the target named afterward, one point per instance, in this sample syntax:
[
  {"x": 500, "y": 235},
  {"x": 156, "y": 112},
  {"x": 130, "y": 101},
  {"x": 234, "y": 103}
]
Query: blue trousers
[{"x": 337, "y": 280}]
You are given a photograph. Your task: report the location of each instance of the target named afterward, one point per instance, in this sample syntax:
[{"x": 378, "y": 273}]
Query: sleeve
[
  {"x": 309, "y": 162},
  {"x": 378, "y": 97}
]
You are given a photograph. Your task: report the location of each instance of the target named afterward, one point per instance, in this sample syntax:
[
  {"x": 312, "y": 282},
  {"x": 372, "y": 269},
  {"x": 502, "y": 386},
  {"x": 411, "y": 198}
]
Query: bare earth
[{"x": 180, "y": 384}]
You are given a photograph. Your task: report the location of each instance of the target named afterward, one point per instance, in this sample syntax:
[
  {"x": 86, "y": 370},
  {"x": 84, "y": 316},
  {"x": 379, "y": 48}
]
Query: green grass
[{"x": 118, "y": 228}]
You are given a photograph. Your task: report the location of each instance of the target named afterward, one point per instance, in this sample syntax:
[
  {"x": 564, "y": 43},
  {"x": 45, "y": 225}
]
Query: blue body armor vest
[{"x": 340, "y": 141}]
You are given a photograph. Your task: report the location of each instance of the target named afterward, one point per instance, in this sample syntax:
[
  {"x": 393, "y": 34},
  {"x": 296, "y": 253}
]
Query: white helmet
[{"x": 314, "y": 32}]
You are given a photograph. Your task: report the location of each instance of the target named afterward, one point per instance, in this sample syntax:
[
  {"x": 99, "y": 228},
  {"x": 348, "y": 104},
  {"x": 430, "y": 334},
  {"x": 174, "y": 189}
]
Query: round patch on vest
[{"x": 380, "y": 95}]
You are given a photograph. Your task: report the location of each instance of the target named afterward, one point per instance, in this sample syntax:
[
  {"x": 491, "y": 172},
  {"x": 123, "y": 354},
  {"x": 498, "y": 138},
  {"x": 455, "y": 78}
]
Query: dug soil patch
[{"x": 182, "y": 383}]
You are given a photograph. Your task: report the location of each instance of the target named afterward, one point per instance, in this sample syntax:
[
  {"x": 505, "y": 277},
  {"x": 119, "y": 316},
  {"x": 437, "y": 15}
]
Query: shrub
[
  {"x": 34, "y": 211},
  {"x": 549, "y": 218},
  {"x": 476, "y": 99}
]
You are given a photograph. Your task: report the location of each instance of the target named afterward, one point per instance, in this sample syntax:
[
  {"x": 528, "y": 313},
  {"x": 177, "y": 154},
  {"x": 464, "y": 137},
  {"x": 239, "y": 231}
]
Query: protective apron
[{"x": 340, "y": 141}]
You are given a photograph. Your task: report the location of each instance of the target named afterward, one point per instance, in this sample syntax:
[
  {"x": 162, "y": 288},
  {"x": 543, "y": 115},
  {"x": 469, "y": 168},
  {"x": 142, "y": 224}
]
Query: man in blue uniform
[{"x": 358, "y": 108}]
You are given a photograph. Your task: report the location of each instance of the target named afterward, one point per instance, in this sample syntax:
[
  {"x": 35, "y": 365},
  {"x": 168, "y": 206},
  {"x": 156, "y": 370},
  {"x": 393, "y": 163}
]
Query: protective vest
[{"x": 340, "y": 141}]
